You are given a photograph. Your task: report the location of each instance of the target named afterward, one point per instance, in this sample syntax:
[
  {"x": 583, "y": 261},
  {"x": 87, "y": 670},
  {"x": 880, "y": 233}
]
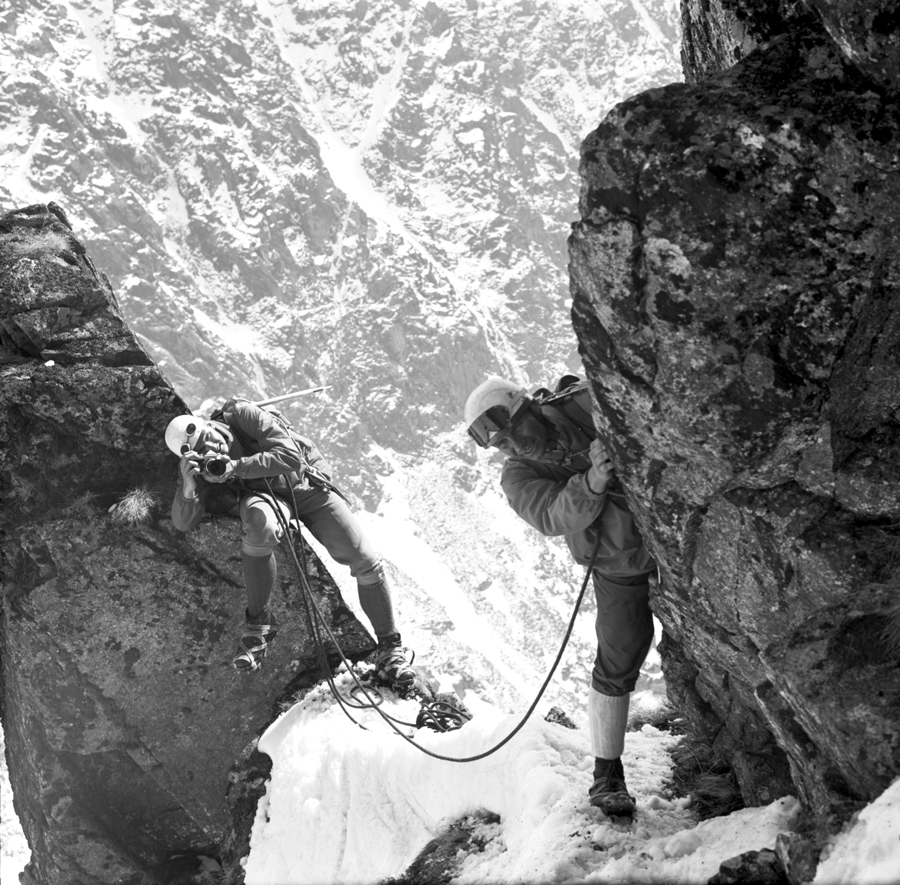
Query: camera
[{"x": 214, "y": 465}]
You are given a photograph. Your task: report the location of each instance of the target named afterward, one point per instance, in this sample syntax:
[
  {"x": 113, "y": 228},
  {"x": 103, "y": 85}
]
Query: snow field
[{"x": 346, "y": 805}]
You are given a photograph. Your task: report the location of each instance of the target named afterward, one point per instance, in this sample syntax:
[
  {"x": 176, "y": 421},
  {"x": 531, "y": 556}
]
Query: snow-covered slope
[
  {"x": 346, "y": 805},
  {"x": 374, "y": 196}
]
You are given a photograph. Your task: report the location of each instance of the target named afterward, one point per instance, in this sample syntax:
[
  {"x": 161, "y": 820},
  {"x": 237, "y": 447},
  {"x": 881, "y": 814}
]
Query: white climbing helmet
[
  {"x": 493, "y": 406},
  {"x": 183, "y": 433}
]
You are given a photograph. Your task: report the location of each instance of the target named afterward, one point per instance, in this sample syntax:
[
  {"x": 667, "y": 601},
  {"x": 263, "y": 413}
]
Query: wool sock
[
  {"x": 608, "y": 717},
  {"x": 375, "y": 600},
  {"x": 259, "y": 577}
]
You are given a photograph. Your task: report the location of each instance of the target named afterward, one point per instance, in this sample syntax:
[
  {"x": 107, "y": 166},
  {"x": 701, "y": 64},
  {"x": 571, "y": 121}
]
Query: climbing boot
[
  {"x": 255, "y": 641},
  {"x": 392, "y": 664},
  {"x": 608, "y": 792}
]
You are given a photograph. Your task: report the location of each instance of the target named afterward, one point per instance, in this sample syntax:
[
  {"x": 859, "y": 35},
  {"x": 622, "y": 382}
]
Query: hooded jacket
[
  {"x": 264, "y": 450},
  {"x": 552, "y": 495}
]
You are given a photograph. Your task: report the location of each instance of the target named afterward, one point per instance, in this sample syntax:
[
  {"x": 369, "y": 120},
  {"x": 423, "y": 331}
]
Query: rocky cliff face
[
  {"x": 737, "y": 298},
  {"x": 122, "y": 715},
  {"x": 374, "y": 196}
]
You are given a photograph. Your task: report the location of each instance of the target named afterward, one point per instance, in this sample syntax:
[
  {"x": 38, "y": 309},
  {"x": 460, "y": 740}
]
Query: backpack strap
[
  {"x": 576, "y": 411},
  {"x": 572, "y": 399}
]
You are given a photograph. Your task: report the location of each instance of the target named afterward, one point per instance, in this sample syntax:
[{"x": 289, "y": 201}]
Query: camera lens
[{"x": 216, "y": 466}]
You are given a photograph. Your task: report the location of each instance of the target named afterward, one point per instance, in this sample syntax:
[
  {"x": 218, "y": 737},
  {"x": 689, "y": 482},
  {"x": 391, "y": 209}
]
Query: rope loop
[{"x": 432, "y": 715}]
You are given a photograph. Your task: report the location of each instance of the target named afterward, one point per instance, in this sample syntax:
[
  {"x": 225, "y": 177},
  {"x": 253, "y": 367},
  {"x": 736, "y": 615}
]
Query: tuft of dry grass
[
  {"x": 230, "y": 876},
  {"x": 46, "y": 242},
  {"x": 134, "y": 509},
  {"x": 710, "y": 783},
  {"x": 716, "y": 794}
]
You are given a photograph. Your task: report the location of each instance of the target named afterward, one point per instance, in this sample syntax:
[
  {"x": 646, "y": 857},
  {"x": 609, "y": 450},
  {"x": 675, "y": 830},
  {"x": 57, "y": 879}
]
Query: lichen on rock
[
  {"x": 735, "y": 282},
  {"x": 125, "y": 723}
]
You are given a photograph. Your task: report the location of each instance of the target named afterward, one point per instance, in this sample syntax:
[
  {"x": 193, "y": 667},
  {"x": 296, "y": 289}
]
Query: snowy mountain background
[{"x": 373, "y": 196}]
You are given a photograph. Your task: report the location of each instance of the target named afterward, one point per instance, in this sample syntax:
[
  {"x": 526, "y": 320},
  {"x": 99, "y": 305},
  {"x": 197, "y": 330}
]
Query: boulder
[
  {"x": 123, "y": 717},
  {"x": 751, "y": 868},
  {"x": 439, "y": 862},
  {"x": 735, "y": 293}
]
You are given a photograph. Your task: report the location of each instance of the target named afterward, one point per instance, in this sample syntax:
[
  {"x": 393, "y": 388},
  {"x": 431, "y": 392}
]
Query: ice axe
[
  {"x": 216, "y": 414},
  {"x": 283, "y": 397}
]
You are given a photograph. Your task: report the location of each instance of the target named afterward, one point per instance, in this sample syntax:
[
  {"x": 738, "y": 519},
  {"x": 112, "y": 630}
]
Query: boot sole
[
  {"x": 615, "y": 804},
  {"x": 616, "y": 810}
]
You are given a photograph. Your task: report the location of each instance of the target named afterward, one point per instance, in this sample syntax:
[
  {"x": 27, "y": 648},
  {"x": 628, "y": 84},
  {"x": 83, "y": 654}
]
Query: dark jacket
[
  {"x": 264, "y": 450},
  {"x": 552, "y": 495}
]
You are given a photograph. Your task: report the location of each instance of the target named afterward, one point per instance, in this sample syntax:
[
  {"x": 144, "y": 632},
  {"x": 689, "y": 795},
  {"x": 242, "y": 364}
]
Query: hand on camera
[
  {"x": 189, "y": 465},
  {"x": 601, "y": 468}
]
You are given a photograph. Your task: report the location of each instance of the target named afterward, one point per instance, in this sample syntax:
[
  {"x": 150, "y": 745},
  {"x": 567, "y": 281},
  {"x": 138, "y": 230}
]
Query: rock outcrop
[
  {"x": 735, "y": 278},
  {"x": 717, "y": 35},
  {"x": 122, "y": 715},
  {"x": 371, "y": 196}
]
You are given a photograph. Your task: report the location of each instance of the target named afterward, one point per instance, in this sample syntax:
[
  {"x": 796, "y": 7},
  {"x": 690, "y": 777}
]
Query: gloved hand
[{"x": 601, "y": 468}]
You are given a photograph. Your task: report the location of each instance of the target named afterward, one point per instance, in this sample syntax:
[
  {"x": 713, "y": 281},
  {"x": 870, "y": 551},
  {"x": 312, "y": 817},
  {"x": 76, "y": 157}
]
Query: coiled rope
[{"x": 373, "y": 698}]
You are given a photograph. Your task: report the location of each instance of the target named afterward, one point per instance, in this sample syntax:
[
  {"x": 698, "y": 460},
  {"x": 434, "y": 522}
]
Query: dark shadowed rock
[
  {"x": 717, "y": 34},
  {"x": 751, "y": 868},
  {"x": 439, "y": 861},
  {"x": 735, "y": 280},
  {"x": 713, "y": 39},
  {"x": 558, "y": 716},
  {"x": 123, "y": 717},
  {"x": 868, "y": 33},
  {"x": 798, "y": 856}
]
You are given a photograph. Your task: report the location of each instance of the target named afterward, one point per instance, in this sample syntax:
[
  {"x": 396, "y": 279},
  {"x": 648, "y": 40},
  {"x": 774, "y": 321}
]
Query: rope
[{"x": 311, "y": 606}]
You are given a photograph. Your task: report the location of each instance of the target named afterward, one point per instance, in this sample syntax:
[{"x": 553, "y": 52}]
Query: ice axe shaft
[{"x": 283, "y": 397}]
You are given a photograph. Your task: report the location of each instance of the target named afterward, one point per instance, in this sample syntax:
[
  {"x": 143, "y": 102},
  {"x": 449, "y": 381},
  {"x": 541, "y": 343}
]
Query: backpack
[
  {"x": 277, "y": 414},
  {"x": 315, "y": 468},
  {"x": 569, "y": 398}
]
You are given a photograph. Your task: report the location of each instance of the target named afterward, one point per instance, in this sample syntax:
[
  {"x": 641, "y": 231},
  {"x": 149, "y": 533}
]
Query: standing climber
[
  {"x": 256, "y": 452},
  {"x": 558, "y": 477}
]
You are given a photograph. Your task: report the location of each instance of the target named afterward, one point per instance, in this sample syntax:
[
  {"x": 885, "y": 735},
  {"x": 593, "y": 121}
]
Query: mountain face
[
  {"x": 374, "y": 196},
  {"x": 120, "y": 709},
  {"x": 375, "y": 199},
  {"x": 369, "y": 196},
  {"x": 735, "y": 292}
]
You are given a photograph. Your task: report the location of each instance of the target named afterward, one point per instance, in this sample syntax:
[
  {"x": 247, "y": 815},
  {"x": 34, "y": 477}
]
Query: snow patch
[
  {"x": 350, "y": 806},
  {"x": 867, "y": 852}
]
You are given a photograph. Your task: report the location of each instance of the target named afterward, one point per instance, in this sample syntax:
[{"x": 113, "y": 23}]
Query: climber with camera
[{"x": 271, "y": 466}]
